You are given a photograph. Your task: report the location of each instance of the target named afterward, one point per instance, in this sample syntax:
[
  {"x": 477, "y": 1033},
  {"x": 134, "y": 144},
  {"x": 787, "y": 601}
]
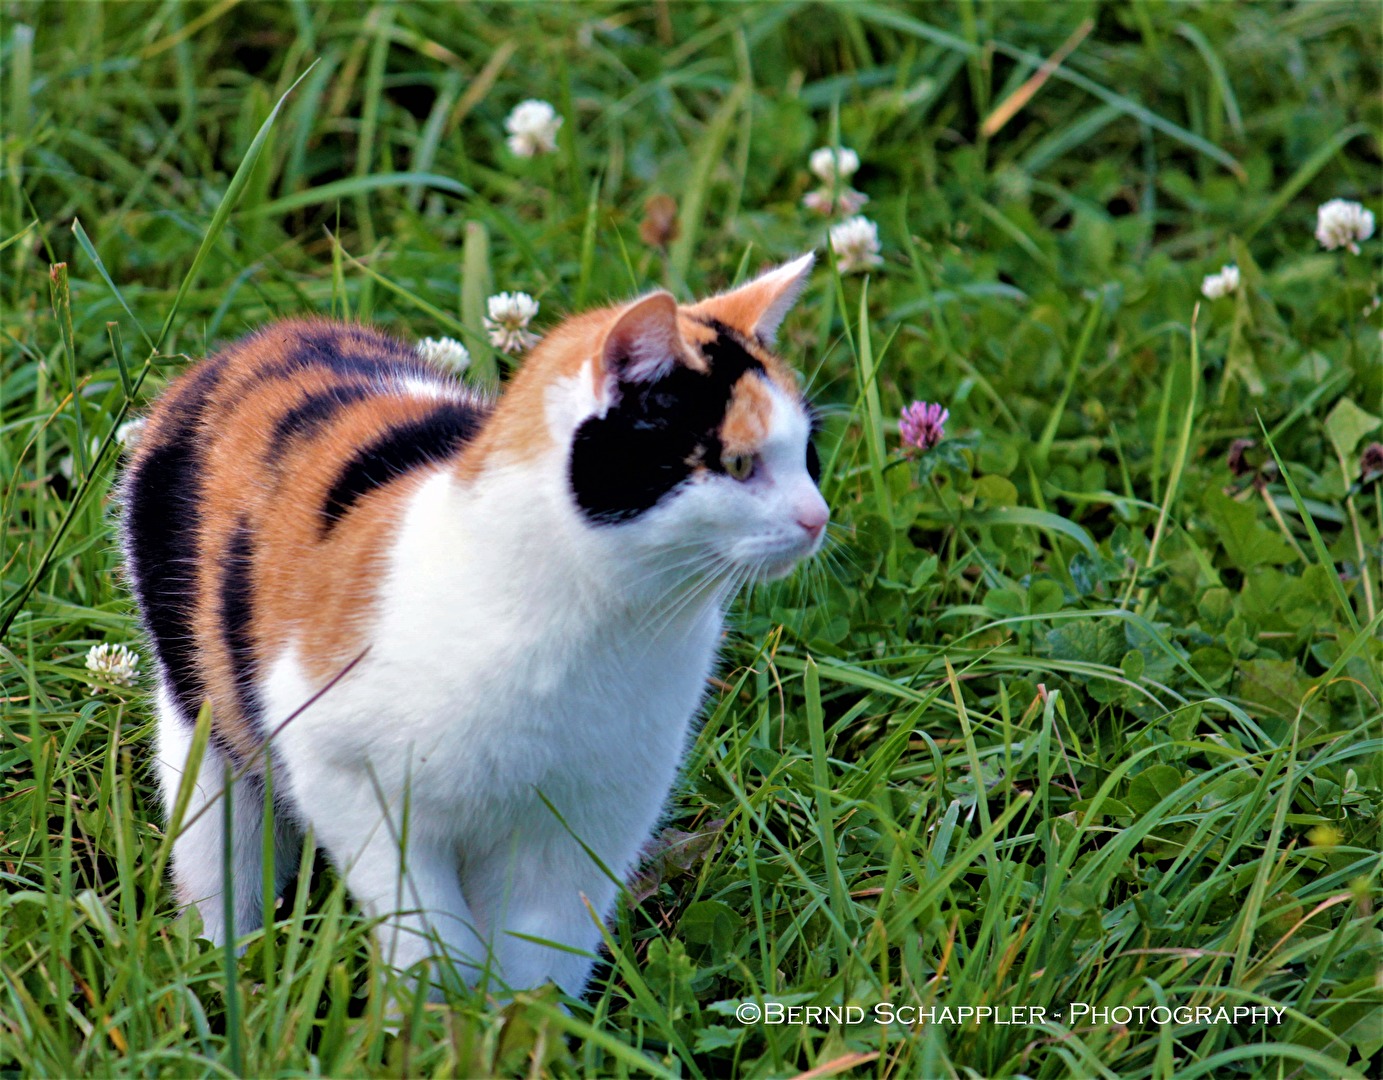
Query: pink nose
[{"x": 813, "y": 519}]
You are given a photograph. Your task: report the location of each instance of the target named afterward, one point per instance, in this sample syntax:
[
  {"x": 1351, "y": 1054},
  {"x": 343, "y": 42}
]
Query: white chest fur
[{"x": 512, "y": 697}]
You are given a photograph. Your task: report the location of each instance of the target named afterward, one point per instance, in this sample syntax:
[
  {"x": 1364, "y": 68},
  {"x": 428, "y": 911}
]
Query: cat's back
[{"x": 263, "y": 494}]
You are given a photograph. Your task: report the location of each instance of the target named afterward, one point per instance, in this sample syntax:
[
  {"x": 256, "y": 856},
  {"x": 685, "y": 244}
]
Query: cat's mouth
[
  {"x": 782, "y": 558},
  {"x": 781, "y": 569}
]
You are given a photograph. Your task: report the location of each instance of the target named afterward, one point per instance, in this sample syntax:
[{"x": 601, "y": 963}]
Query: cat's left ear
[
  {"x": 642, "y": 345},
  {"x": 758, "y": 308}
]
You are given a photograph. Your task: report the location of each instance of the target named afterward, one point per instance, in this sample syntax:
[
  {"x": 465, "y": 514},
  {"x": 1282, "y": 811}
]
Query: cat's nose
[{"x": 813, "y": 516}]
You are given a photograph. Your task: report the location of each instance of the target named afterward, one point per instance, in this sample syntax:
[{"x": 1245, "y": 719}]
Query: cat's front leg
[
  {"x": 411, "y": 883},
  {"x": 542, "y": 899}
]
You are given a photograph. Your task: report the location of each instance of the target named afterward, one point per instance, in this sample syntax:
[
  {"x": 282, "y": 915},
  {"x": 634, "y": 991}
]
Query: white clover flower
[
  {"x": 1341, "y": 223},
  {"x": 444, "y": 353},
  {"x": 856, "y": 244},
  {"x": 532, "y": 128},
  {"x": 1214, "y": 286},
  {"x": 118, "y": 664},
  {"x": 510, "y": 314},
  {"x": 843, "y": 204},
  {"x": 130, "y": 432},
  {"x": 832, "y": 166}
]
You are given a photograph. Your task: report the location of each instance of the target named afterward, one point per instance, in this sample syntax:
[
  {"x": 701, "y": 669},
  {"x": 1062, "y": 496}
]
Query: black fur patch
[
  {"x": 237, "y": 610},
  {"x": 434, "y": 437},
  {"x": 162, "y": 532},
  {"x": 352, "y": 352},
  {"x": 623, "y": 463},
  {"x": 313, "y": 413}
]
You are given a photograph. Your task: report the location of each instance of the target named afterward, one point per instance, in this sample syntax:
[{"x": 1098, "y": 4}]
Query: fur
[{"x": 526, "y": 597}]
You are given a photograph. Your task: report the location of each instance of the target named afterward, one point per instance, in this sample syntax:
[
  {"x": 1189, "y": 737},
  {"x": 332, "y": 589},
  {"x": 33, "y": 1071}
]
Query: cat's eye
[{"x": 738, "y": 466}]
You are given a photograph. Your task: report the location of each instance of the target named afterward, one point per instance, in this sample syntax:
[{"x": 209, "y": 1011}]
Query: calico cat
[{"x": 525, "y": 597}]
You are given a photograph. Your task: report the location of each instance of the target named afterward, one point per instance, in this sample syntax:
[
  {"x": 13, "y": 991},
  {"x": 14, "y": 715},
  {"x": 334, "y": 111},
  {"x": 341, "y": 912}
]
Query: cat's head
[{"x": 688, "y": 439}]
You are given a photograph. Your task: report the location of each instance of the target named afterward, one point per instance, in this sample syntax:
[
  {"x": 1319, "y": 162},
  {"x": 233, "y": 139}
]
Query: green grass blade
[
  {"x": 224, "y": 210},
  {"x": 896, "y": 19},
  {"x": 1217, "y": 73},
  {"x": 1087, "y": 333},
  {"x": 86, "y": 245},
  {"x": 1317, "y": 544},
  {"x": 20, "y": 235},
  {"x": 868, "y": 377},
  {"x": 476, "y": 286},
  {"x": 60, "y": 293},
  {"x": 1183, "y": 452},
  {"x": 821, "y": 779},
  {"x": 1020, "y": 515},
  {"x": 355, "y": 187},
  {"x": 117, "y": 347},
  {"x": 588, "y": 234},
  {"x": 692, "y": 211},
  {"x": 431, "y": 310}
]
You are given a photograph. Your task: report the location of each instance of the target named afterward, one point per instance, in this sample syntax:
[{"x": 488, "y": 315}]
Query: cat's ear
[
  {"x": 757, "y": 309},
  {"x": 644, "y": 343}
]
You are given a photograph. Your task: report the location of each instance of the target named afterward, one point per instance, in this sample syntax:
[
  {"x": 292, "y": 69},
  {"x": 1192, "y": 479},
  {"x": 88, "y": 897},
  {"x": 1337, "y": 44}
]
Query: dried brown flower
[
  {"x": 1235, "y": 458},
  {"x": 1371, "y": 463},
  {"x": 659, "y": 227}
]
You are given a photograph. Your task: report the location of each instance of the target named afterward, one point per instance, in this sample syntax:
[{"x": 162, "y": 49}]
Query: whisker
[
  {"x": 680, "y": 595},
  {"x": 693, "y": 574},
  {"x": 664, "y": 618},
  {"x": 697, "y": 554},
  {"x": 834, "y": 563}
]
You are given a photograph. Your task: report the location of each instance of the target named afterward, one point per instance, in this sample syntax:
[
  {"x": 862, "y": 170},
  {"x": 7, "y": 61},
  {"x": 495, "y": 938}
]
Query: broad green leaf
[
  {"x": 1346, "y": 425},
  {"x": 1246, "y": 540},
  {"x": 1151, "y": 786}
]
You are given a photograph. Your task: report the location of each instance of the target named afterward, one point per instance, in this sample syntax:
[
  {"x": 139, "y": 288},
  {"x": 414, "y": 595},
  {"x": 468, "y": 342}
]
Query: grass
[{"x": 1082, "y": 709}]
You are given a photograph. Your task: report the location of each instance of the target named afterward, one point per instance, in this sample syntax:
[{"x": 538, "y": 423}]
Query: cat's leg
[
  {"x": 288, "y": 836},
  {"x": 409, "y": 881},
  {"x": 546, "y": 888},
  {"x": 199, "y": 850}
]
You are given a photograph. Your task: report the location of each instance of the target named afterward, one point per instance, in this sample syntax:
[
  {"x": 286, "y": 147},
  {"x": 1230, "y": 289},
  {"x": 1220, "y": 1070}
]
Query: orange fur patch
[
  {"x": 748, "y": 416},
  {"x": 519, "y": 429}
]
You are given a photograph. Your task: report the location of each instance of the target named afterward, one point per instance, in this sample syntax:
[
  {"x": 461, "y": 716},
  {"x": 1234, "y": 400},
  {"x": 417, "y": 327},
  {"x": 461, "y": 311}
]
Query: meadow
[{"x": 1077, "y": 720}]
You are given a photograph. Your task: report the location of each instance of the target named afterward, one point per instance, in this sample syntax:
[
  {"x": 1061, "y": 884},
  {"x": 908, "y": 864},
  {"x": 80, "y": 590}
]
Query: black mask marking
[{"x": 624, "y": 462}]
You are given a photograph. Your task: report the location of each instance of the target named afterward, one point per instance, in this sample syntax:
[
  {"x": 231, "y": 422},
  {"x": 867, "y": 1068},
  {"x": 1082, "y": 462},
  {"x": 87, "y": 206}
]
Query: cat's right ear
[{"x": 643, "y": 345}]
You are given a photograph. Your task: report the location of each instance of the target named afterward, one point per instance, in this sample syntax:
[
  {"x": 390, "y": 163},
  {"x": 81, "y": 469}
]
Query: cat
[{"x": 468, "y": 636}]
